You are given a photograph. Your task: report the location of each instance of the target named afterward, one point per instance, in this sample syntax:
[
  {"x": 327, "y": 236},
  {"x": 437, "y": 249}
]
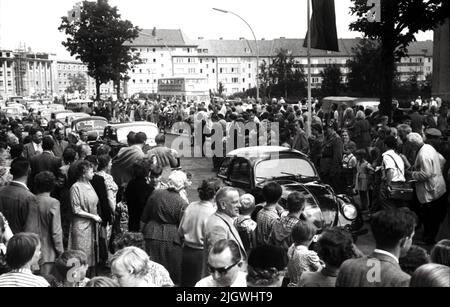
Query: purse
[{"x": 401, "y": 190}]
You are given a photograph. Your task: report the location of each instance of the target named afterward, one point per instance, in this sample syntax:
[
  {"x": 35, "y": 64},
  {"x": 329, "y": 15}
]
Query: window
[
  {"x": 214, "y": 71},
  {"x": 249, "y": 75},
  {"x": 154, "y": 60},
  {"x": 134, "y": 70},
  {"x": 140, "y": 71},
  {"x": 207, "y": 65},
  {"x": 201, "y": 71},
  {"x": 154, "y": 49},
  {"x": 243, "y": 80},
  {"x": 134, "y": 81},
  {"x": 201, "y": 61},
  {"x": 8, "y": 74},
  {"x": 205, "y": 50},
  {"x": 240, "y": 171},
  {"x": 9, "y": 83},
  {"x": 191, "y": 70},
  {"x": 148, "y": 80},
  {"x": 234, "y": 80},
  {"x": 213, "y": 60}
]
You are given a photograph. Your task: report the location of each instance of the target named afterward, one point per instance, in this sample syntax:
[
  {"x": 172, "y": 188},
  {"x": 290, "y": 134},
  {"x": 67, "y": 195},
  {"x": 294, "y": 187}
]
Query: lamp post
[{"x": 256, "y": 43}]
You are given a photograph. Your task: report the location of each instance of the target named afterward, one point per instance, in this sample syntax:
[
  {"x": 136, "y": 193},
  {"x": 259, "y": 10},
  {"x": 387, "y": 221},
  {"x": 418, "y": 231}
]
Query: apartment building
[{"x": 7, "y": 84}]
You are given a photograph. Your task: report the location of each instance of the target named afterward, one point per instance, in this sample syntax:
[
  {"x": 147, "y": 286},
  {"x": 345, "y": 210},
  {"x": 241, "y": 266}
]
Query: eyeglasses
[{"x": 222, "y": 271}]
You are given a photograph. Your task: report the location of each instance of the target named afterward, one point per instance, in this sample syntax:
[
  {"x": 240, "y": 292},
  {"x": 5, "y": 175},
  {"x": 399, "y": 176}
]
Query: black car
[
  {"x": 115, "y": 135},
  {"x": 249, "y": 169}
]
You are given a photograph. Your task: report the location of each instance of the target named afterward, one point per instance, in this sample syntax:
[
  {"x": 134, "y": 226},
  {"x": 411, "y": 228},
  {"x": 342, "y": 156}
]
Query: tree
[
  {"x": 286, "y": 72},
  {"x": 331, "y": 80},
  {"x": 98, "y": 38},
  {"x": 265, "y": 79},
  {"x": 364, "y": 76},
  {"x": 400, "y": 21},
  {"x": 77, "y": 82}
]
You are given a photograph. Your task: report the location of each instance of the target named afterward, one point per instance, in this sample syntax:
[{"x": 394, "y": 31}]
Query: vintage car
[
  {"x": 115, "y": 135},
  {"x": 15, "y": 110},
  {"x": 94, "y": 126},
  {"x": 249, "y": 169},
  {"x": 76, "y": 105}
]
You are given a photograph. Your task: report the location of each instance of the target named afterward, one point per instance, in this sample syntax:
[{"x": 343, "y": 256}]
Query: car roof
[
  {"x": 134, "y": 124},
  {"x": 250, "y": 151},
  {"x": 88, "y": 118}
]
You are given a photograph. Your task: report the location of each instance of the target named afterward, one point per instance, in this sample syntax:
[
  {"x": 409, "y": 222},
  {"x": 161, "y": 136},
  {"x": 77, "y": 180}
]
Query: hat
[{"x": 433, "y": 132}]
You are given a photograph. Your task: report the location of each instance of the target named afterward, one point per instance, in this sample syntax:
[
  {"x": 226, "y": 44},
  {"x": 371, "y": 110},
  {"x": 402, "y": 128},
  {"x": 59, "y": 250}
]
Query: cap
[{"x": 433, "y": 132}]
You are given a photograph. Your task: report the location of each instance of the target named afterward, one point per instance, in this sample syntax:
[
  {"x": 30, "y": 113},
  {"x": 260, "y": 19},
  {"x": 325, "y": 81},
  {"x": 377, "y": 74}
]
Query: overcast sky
[{"x": 35, "y": 22}]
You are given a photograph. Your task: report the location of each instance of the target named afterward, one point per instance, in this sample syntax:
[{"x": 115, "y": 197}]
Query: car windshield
[
  {"x": 270, "y": 169},
  {"x": 90, "y": 125},
  {"x": 123, "y": 132}
]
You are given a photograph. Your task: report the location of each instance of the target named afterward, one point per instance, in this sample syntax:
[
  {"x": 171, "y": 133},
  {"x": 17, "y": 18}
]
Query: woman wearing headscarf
[{"x": 160, "y": 222}]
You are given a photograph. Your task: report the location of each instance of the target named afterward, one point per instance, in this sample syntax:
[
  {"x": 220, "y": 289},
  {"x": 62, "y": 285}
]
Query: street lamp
[{"x": 257, "y": 47}]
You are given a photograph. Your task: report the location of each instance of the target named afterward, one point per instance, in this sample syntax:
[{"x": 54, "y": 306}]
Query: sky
[{"x": 34, "y": 23}]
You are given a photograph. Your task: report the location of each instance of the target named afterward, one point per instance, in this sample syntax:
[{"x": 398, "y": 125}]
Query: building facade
[{"x": 7, "y": 84}]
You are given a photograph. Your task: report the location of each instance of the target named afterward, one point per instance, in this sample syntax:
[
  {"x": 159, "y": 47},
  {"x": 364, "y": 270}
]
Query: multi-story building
[
  {"x": 67, "y": 70},
  {"x": 7, "y": 84},
  {"x": 233, "y": 63}
]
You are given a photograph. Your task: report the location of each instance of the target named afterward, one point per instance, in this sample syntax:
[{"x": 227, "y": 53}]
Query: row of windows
[{"x": 2, "y": 83}]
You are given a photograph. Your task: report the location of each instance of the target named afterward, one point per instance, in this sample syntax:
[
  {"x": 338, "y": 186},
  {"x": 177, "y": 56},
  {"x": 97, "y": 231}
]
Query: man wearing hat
[
  {"x": 433, "y": 137},
  {"x": 331, "y": 161}
]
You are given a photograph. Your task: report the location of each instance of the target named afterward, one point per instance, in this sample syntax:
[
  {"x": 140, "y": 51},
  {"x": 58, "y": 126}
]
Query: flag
[{"x": 323, "y": 26}]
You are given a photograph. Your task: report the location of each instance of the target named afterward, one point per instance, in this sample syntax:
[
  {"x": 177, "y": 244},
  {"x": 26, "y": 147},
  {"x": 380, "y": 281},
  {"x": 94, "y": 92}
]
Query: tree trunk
[{"x": 97, "y": 88}]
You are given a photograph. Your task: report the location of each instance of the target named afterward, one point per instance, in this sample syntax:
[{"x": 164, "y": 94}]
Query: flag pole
[{"x": 308, "y": 125}]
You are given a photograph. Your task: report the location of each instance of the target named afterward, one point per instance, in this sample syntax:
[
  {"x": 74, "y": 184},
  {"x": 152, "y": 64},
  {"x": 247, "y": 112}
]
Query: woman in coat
[
  {"x": 159, "y": 224},
  {"x": 83, "y": 229}
]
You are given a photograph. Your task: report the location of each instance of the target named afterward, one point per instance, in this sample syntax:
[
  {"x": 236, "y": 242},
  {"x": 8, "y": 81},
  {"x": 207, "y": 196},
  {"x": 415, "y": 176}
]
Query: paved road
[{"x": 201, "y": 169}]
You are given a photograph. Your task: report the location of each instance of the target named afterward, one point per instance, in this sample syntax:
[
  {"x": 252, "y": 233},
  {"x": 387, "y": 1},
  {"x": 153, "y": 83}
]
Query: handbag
[{"x": 400, "y": 190}]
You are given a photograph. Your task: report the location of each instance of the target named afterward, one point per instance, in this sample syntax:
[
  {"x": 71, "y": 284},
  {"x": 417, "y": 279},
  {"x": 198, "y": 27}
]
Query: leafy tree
[
  {"x": 77, "y": 82},
  {"x": 364, "y": 76},
  {"x": 331, "y": 80},
  {"x": 99, "y": 39},
  {"x": 265, "y": 79},
  {"x": 400, "y": 21},
  {"x": 286, "y": 73}
]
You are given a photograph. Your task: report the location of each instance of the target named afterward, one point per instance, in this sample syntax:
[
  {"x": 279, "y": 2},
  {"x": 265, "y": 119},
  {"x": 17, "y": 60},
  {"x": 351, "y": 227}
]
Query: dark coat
[
  {"x": 378, "y": 270},
  {"x": 361, "y": 134},
  {"x": 137, "y": 193},
  {"x": 15, "y": 203},
  {"x": 28, "y": 151},
  {"x": 416, "y": 122},
  {"x": 103, "y": 208},
  {"x": 48, "y": 217},
  {"x": 44, "y": 162}
]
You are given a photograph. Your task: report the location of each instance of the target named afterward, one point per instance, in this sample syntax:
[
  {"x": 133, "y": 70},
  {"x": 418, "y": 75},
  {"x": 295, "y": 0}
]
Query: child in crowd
[
  {"x": 301, "y": 259},
  {"x": 363, "y": 172},
  {"x": 244, "y": 223}
]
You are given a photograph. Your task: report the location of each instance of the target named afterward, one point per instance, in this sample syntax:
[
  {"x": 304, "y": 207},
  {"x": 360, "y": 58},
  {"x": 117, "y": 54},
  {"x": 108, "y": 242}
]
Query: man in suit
[
  {"x": 16, "y": 199},
  {"x": 60, "y": 143},
  {"x": 417, "y": 120},
  {"x": 46, "y": 161},
  {"x": 35, "y": 146},
  {"x": 220, "y": 226},
  {"x": 393, "y": 231}
]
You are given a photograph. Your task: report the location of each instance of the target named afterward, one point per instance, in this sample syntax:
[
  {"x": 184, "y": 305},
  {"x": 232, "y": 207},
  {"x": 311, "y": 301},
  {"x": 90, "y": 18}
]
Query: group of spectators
[{"x": 73, "y": 217}]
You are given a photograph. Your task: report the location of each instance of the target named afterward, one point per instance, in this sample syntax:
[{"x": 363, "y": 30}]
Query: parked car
[
  {"x": 115, "y": 135},
  {"x": 94, "y": 126},
  {"x": 249, "y": 169}
]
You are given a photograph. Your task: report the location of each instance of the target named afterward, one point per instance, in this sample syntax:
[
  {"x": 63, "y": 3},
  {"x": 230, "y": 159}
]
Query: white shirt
[
  {"x": 380, "y": 251},
  {"x": 20, "y": 183},
  {"x": 393, "y": 161},
  {"x": 209, "y": 282},
  {"x": 37, "y": 147}
]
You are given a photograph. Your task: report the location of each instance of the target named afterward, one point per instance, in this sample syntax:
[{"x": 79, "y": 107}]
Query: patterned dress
[{"x": 83, "y": 231}]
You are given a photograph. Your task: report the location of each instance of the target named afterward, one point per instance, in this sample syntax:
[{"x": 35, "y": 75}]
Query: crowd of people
[{"x": 76, "y": 216}]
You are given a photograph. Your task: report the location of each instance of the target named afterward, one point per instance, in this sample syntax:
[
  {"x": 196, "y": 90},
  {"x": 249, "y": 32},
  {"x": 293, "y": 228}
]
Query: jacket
[{"x": 377, "y": 270}]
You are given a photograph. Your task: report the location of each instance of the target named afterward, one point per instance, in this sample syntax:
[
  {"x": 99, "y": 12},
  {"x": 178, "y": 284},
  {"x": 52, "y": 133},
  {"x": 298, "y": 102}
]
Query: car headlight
[{"x": 349, "y": 211}]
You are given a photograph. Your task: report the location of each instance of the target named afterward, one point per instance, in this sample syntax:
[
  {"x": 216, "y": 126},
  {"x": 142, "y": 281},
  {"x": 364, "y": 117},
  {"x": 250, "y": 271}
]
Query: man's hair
[
  {"x": 222, "y": 194},
  {"x": 131, "y": 138},
  {"x": 390, "y": 142},
  {"x": 391, "y": 226},
  {"x": 48, "y": 143},
  {"x": 160, "y": 139},
  {"x": 20, "y": 167},
  {"x": 208, "y": 189},
  {"x": 16, "y": 151},
  {"x": 21, "y": 249},
  {"x": 431, "y": 275},
  {"x": 140, "y": 138},
  {"x": 44, "y": 182},
  {"x": 295, "y": 202},
  {"x": 441, "y": 253},
  {"x": 33, "y": 131},
  {"x": 303, "y": 231},
  {"x": 272, "y": 192},
  {"x": 222, "y": 245},
  {"x": 69, "y": 155},
  {"x": 68, "y": 260},
  {"x": 334, "y": 246},
  {"x": 103, "y": 161}
]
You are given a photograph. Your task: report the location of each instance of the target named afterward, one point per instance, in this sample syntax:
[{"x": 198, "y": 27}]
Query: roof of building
[
  {"x": 269, "y": 48},
  {"x": 162, "y": 37}
]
